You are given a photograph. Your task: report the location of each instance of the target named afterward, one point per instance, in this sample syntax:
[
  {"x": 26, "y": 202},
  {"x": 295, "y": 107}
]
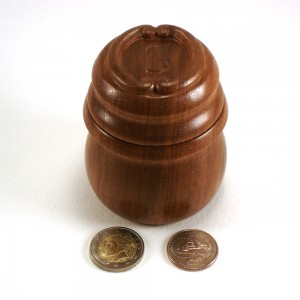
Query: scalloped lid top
[{"x": 155, "y": 86}]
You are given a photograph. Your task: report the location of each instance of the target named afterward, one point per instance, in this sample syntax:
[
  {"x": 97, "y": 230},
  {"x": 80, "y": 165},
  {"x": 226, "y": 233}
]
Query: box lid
[{"x": 155, "y": 86}]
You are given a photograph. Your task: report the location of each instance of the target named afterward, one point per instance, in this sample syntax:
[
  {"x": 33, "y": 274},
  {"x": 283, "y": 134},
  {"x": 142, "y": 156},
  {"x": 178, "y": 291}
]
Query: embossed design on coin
[
  {"x": 116, "y": 249},
  {"x": 192, "y": 249}
]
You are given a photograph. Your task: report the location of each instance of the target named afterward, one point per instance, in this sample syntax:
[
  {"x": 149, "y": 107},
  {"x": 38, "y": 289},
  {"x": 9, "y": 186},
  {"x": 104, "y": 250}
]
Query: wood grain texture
[{"x": 155, "y": 111}]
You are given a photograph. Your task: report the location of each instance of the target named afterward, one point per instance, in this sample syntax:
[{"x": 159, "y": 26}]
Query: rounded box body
[{"x": 155, "y": 111}]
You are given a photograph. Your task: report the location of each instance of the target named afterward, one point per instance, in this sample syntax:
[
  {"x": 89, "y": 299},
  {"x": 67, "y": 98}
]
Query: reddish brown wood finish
[{"x": 155, "y": 112}]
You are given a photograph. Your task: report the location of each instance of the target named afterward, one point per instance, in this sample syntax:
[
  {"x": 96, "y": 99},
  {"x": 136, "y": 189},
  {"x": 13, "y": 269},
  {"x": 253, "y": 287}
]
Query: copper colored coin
[
  {"x": 116, "y": 249},
  {"x": 192, "y": 249}
]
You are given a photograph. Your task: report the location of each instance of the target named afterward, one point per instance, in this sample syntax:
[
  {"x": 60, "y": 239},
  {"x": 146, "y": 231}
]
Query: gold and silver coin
[
  {"x": 116, "y": 249},
  {"x": 192, "y": 249}
]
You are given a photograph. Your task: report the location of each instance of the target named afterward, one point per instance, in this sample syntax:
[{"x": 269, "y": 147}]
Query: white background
[{"x": 48, "y": 211}]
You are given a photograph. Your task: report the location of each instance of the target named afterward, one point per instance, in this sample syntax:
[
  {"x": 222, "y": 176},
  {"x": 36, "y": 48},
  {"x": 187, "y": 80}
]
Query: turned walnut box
[{"x": 155, "y": 112}]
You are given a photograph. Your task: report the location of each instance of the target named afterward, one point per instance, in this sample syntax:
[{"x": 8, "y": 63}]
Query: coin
[
  {"x": 116, "y": 249},
  {"x": 192, "y": 249}
]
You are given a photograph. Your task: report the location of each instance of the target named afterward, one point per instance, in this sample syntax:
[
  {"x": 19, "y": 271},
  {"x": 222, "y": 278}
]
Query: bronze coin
[
  {"x": 192, "y": 249},
  {"x": 116, "y": 249}
]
